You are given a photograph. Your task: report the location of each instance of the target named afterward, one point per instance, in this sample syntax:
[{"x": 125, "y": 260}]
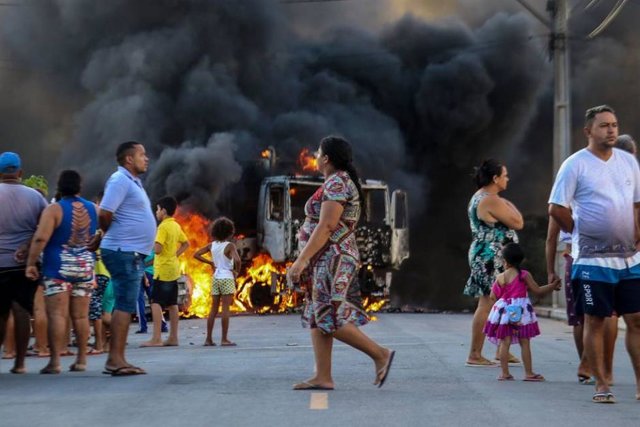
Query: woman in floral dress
[
  {"x": 493, "y": 221},
  {"x": 329, "y": 255}
]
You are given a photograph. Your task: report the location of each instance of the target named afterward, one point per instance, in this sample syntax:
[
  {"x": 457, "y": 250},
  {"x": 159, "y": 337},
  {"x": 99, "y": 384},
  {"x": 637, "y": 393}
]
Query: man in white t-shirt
[{"x": 595, "y": 197}]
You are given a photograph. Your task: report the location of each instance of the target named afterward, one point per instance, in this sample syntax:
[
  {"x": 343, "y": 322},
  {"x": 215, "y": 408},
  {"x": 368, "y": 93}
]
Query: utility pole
[
  {"x": 559, "y": 48},
  {"x": 559, "y": 45}
]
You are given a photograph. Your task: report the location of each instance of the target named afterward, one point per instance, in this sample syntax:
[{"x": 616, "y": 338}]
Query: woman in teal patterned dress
[
  {"x": 493, "y": 221},
  {"x": 329, "y": 253}
]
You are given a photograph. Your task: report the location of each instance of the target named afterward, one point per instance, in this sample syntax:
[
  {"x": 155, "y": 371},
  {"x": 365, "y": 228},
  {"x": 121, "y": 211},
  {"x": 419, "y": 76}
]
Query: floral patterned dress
[
  {"x": 333, "y": 293},
  {"x": 485, "y": 253}
]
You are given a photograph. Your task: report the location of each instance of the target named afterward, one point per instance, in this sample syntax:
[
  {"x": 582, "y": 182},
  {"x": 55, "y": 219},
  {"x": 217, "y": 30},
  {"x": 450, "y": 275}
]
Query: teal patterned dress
[{"x": 485, "y": 253}]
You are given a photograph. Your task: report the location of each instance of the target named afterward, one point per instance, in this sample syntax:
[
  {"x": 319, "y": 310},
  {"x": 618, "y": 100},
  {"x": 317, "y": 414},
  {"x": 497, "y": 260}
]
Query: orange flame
[
  {"x": 263, "y": 272},
  {"x": 374, "y": 305},
  {"x": 265, "y": 154},
  {"x": 307, "y": 162},
  {"x": 196, "y": 228}
]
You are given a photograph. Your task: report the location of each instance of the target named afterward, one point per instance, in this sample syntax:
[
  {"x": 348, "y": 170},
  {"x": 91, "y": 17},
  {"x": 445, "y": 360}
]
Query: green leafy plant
[{"x": 37, "y": 182}]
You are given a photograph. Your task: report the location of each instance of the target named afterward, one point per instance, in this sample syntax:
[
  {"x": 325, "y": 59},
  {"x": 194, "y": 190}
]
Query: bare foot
[
  {"x": 49, "y": 369},
  {"x": 9, "y": 356},
  {"x": 151, "y": 344},
  {"x": 170, "y": 343},
  {"x": 209, "y": 343},
  {"x": 227, "y": 343}
]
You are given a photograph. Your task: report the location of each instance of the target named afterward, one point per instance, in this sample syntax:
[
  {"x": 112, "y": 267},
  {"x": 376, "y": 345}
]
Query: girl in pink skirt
[{"x": 512, "y": 318}]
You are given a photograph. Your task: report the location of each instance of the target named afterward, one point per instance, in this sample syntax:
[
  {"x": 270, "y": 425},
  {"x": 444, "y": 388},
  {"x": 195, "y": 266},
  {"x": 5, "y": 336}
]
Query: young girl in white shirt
[{"x": 226, "y": 263}]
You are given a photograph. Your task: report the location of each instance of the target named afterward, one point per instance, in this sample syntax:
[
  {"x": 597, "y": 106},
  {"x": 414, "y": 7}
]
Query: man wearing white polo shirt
[
  {"x": 129, "y": 228},
  {"x": 595, "y": 197}
]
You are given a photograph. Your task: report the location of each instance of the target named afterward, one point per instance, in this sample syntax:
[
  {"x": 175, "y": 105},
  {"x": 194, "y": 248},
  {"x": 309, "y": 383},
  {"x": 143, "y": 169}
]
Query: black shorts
[
  {"x": 164, "y": 293},
  {"x": 15, "y": 287},
  {"x": 605, "y": 299}
]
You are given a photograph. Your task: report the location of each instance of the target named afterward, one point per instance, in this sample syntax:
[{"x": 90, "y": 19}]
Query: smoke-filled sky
[{"x": 423, "y": 89}]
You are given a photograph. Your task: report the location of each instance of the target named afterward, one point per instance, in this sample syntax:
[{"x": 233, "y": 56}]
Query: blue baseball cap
[{"x": 9, "y": 162}]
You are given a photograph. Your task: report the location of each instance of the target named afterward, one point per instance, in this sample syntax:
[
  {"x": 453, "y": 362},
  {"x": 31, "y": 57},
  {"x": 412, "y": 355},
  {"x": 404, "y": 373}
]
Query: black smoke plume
[{"x": 207, "y": 85}]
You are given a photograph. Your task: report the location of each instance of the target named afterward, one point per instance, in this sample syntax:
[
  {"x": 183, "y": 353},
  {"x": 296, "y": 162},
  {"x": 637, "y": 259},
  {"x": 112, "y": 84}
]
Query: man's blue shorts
[{"x": 126, "y": 269}]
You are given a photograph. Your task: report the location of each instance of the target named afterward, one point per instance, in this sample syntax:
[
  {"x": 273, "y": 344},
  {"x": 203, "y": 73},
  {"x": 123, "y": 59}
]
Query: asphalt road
[{"x": 250, "y": 385}]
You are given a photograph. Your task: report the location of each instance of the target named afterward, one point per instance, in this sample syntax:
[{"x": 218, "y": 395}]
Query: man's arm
[
  {"x": 114, "y": 194},
  {"x": 636, "y": 211},
  {"x": 562, "y": 216},
  {"x": 550, "y": 249},
  {"x": 105, "y": 218}
]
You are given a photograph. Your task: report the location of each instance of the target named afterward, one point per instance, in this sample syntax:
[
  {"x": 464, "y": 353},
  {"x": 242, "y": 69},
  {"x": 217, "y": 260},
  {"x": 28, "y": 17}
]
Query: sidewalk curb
[{"x": 561, "y": 314}]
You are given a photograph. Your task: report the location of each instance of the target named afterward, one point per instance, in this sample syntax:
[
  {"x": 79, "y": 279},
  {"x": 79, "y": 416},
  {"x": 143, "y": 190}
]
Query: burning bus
[{"x": 267, "y": 242}]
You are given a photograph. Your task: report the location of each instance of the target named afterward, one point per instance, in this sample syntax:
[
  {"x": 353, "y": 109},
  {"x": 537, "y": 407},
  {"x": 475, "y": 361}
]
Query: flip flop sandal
[
  {"x": 384, "y": 372},
  {"x": 507, "y": 378},
  {"x": 124, "y": 371},
  {"x": 585, "y": 380},
  {"x": 77, "y": 367},
  {"x": 489, "y": 364},
  {"x": 47, "y": 370},
  {"x": 512, "y": 360},
  {"x": 308, "y": 386},
  {"x": 534, "y": 378},
  {"x": 603, "y": 397}
]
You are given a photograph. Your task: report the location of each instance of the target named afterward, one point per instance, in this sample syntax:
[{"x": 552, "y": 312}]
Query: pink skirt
[{"x": 498, "y": 326}]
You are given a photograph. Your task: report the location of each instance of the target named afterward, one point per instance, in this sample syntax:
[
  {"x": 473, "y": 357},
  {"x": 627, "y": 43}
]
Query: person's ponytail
[
  {"x": 353, "y": 174},
  {"x": 339, "y": 152}
]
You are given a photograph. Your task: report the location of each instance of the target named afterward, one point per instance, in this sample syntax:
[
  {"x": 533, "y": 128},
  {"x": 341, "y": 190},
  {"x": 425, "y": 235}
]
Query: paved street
[{"x": 251, "y": 384}]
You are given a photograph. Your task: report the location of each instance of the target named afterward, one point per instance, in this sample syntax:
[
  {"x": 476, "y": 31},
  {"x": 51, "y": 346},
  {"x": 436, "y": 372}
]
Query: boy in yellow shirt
[{"x": 170, "y": 243}]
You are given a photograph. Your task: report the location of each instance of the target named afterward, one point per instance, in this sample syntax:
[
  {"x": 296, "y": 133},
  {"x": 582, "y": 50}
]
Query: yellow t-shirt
[
  {"x": 165, "y": 264},
  {"x": 100, "y": 268}
]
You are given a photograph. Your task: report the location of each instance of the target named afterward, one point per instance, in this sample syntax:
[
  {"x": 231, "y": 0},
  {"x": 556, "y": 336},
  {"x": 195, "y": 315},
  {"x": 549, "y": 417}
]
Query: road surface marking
[{"x": 319, "y": 401}]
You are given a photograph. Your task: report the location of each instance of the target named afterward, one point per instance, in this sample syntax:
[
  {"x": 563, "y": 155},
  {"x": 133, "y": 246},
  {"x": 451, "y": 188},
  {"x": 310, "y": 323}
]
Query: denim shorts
[{"x": 126, "y": 269}]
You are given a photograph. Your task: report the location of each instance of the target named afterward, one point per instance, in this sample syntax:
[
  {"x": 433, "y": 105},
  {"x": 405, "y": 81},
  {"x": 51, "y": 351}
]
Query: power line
[
  {"x": 310, "y": 1},
  {"x": 609, "y": 19}
]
